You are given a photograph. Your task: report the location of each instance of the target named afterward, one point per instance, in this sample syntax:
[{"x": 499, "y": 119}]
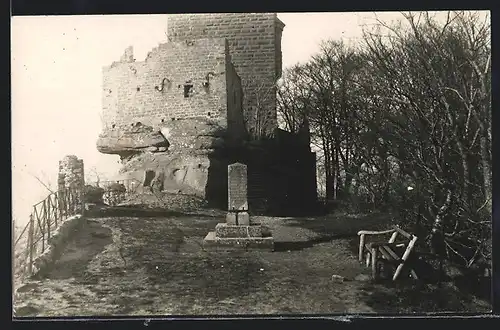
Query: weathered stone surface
[
  {"x": 238, "y": 218},
  {"x": 212, "y": 242},
  {"x": 225, "y": 60},
  {"x": 157, "y": 183},
  {"x": 185, "y": 166},
  {"x": 237, "y": 187},
  {"x": 208, "y": 142},
  {"x": 136, "y": 139},
  {"x": 71, "y": 173},
  {"x": 57, "y": 242},
  {"x": 254, "y": 41},
  {"x": 116, "y": 187},
  {"x": 183, "y": 173},
  {"x": 93, "y": 194},
  {"x": 152, "y": 149},
  {"x": 224, "y": 230},
  {"x": 194, "y": 134},
  {"x": 152, "y": 90},
  {"x": 237, "y": 233}
]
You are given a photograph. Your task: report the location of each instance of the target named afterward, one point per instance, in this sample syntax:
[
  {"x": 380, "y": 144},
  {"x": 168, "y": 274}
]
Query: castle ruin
[{"x": 202, "y": 100}]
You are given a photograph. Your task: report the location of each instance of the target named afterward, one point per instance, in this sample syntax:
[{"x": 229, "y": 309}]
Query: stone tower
[{"x": 254, "y": 41}]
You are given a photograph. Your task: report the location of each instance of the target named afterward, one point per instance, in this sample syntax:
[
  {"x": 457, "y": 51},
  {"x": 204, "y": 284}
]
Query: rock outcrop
[
  {"x": 93, "y": 195},
  {"x": 126, "y": 141},
  {"x": 175, "y": 156},
  {"x": 171, "y": 172}
]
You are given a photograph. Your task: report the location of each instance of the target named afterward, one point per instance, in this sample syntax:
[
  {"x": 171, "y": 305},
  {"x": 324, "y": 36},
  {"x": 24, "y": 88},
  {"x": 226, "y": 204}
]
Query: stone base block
[
  {"x": 212, "y": 242},
  {"x": 224, "y": 230},
  {"x": 238, "y": 218}
]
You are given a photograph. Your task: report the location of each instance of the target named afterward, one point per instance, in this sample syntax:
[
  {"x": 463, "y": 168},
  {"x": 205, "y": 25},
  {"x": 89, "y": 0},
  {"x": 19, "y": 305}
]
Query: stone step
[
  {"x": 224, "y": 230},
  {"x": 212, "y": 242}
]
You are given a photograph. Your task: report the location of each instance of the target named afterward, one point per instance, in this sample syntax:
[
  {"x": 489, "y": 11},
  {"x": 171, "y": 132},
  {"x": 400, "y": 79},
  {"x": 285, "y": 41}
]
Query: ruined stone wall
[
  {"x": 71, "y": 173},
  {"x": 232, "y": 62},
  {"x": 152, "y": 91},
  {"x": 255, "y": 47},
  {"x": 235, "y": 120}
]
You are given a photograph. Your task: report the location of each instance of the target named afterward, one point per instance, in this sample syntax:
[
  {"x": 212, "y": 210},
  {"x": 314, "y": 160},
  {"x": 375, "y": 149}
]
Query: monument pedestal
[
  {"x": 238, "y": 218},
  {"x": 237, "y": 233},
  {"x": 228, "y": 237}
]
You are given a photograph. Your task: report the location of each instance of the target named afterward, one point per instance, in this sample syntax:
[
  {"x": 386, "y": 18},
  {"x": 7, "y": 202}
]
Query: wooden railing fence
[{"x": 46, "y": 216}]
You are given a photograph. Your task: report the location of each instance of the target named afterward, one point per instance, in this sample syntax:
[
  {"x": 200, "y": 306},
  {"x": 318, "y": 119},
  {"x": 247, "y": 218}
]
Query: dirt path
[
  {"x": 91, "y": 240},
  {"x": 152, "y": 263},
  {"x": 155, "y": 265}
]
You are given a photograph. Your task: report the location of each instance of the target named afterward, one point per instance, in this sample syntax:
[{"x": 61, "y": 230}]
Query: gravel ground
[{"x": 148, "y": 261}]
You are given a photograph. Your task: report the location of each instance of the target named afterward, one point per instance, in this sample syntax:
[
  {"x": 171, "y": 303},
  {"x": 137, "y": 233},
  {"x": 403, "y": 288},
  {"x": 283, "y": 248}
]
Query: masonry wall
[
  {"x": 255, "y": 46},
  {"x": 71, "y": 173},
  {"x": 281, "y": 181},
  {"x": 235, "y": 119},
  {"x": 133, "y": 91}
]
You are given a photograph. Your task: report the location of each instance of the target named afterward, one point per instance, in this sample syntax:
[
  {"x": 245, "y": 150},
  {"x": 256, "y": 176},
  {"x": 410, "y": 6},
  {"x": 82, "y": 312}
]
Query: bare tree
[
  {"x": 94, "y": 176},
  {"x": 410, "y": 106},
  {"x": 435, "y": 84},
  {"x": 44, "y": 181},
  {"x": 320, "y": 91}
]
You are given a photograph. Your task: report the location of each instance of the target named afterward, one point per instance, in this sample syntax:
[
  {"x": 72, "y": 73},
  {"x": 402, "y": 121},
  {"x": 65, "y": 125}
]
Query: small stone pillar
[
  {"x": 237, "y": 209},
  {"x": 238, "y": 232},
  {"x": 71, "y": 173},
  {"x": 71, "y": 176}
]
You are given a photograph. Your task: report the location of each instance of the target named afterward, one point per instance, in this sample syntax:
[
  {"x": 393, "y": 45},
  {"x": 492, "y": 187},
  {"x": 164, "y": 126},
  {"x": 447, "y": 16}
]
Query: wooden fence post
[
  {"x": 30, "y": 244},
  {"x": 13, "y": 260},
  {"x": 41, "y": 226},
  {"x": 47, "y": 217},
  {"x": 54, "y": 207}
]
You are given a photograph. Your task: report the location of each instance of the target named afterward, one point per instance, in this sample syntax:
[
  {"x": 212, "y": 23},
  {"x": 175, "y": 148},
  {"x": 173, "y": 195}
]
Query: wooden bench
[{"x": 392, "y": 251}]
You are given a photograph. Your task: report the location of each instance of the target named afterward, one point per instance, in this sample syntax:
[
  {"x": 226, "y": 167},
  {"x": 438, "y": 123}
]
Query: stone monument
[{"x": 238, "y": 232}]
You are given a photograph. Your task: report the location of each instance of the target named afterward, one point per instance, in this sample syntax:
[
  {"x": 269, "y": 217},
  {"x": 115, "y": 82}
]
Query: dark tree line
[{"x": 403, "y": 121}]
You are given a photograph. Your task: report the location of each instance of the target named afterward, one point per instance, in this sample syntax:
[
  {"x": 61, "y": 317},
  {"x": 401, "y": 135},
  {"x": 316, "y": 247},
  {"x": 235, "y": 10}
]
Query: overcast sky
[{"x": 56, "y": 82}]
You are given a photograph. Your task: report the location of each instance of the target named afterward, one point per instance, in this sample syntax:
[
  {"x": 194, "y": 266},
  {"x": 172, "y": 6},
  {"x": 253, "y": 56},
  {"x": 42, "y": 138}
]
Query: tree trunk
[
  {"x": 328, "y": 168},
  {"x": 437, "y": 236},
  {"x": 335, "y": 169},
  {"x": 486, "y": 167}
]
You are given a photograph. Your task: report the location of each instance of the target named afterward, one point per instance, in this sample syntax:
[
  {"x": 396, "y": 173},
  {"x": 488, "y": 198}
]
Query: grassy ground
[{"x": 150, "y": 262}]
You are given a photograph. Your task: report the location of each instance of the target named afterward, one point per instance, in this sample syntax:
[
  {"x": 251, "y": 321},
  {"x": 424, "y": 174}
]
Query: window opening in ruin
[
  {"x": 138, "y": 89},
  {"x": 163, "y": 120},
  {"x": 208, "y": 113},
  {"x": 148, "y": 178},
  {"x": 188, "y": 89},
  {"x": 113, "y": 126}
]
